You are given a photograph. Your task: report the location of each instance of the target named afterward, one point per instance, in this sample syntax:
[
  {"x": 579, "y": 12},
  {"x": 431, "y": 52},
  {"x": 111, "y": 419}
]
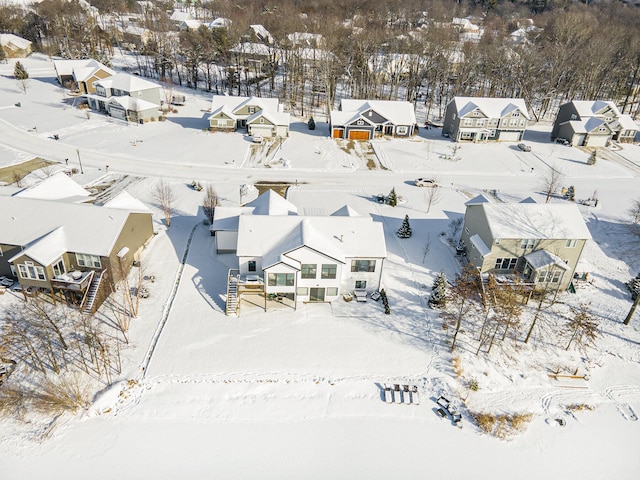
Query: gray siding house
[
  {"x": 364, "y": 119},
  {"x": 538, "y": 244},
  {"x": 477, "y": 119},
  {"x": 127, "y": 97},
  {"x": 259, "y": 116},
  {"x": 587, "y": 123}
]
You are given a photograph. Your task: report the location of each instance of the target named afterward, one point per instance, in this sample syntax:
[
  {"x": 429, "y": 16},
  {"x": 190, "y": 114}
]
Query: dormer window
[
  {"x": 360, "y": 122},
  {"x": 252, "y": 110},
  {"x": 476, "y": 113},
  {"x": 515, "y": 114},
  {"x": 607, "y": 119},
  {"x": 602, "y": 129}
]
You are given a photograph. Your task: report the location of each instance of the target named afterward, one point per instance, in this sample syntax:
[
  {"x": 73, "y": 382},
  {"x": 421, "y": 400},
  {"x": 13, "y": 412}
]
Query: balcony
[{"x": 76, "y": 281}]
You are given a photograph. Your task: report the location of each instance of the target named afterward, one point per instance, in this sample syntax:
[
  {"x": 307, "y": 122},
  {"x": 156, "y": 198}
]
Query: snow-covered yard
[{"x": 297, "y": 394}]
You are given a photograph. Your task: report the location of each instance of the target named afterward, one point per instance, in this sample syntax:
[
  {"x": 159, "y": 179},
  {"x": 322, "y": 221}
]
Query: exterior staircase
[
  {"x": 232, "y": 292},
  {"x": 92, "y": 293}
]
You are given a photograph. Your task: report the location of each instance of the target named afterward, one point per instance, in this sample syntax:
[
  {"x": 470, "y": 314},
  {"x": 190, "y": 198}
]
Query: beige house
[
  {"x": 259, "y": 116},
  {"x": 479, "y": 119},
  {"x": 81, "y": 75},
  {"x": 75, "y": 252},
  {"x": 127, "y": 97},
  {"x": 540, "y": 244},
  {"x": 15, "y": 46}
]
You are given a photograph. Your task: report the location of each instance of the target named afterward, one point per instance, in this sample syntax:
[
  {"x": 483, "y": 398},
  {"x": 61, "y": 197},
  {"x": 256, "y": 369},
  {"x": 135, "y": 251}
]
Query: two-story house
[
  {"x": 75, "y": 252},
  {"x": 364, "y": 119},
  {"x": 300, "y": 258},
  {"x": 259, "y": 115},
  {"x": 540, "y": 244},
  {"x": 478, "y": 119},
  {"x": 127, "y": 97},
  {"x": 80, "y": 75},
  {"x": 586, "y": 123}
]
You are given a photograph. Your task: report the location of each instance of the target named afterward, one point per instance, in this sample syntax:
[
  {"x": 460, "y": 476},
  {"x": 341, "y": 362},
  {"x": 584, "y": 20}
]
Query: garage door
[
  {"x": 358, "y": 135},
  {"x": 509, "y": 137},
  {"x": 596, "y": 141},
  {"x": 338, "y": 133},
  {"x": 578, "y": 139},
  {"x": 266, "y": 132},
  {"x": 117, "y": 113}
]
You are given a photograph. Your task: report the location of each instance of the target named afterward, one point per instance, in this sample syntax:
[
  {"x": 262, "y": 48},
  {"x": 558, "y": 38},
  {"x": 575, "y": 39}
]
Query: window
[
  {"x": 360, "y": 122},
  {"x": 466, "y": 229},
  {"x": 363, "y": 265},
  {"x": 574, "y": 116},
  {"x": 309, "y": 270},
  {"x": 252, "y": 110},
  {"x": 607, "y": 119},
  {"x": 571, "y": 243},
  {"x": 467, "y": 122},
  {"x": 513, "y": 122},
  {"x": 602, "y": 129},
  {"x": 281, "y": 279},
  {"x": 515, "y": 114},
  {"x": 506, "y": 263},
  {"x": 480, "y": 122},
  {"x": 522, "y": 122},
  {"x": 476, "y": 113},
  {"x": 547, "y": 276},
  {"x": 402, "y": 130},
  {"x": 222, "y": 123},
  {"x": 251, "y": 265},
  {"x": 455, "y": 116},
  {"x": 91, "y": 261},
  {"x": 492, "y": 133},
  {"x": 361, "y": 284},
  {"x": 497, "y": 241},
  {"x": 493, "y": 121},
  {"x": 58, "y": 267},
  {"x": 303, "y": 291},
  {"x": 31, "y": 271},
  {"x": 329, "y": 270},
  {"x": 527, "y": 243},
  {"x": 261, "y": 119},
  {"x": 332, "y": 292}
]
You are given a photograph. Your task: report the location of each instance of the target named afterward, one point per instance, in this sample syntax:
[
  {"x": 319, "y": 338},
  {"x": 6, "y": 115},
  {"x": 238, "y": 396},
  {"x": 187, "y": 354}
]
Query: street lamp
[{"x": 79, "y": 161}]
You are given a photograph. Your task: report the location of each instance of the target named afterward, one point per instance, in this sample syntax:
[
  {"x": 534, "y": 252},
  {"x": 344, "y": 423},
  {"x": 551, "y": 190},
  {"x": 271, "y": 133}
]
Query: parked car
[
  {"x": 257, "y": 138},
  {"x": 524, "y": 147},
  {"x": 425, "y": 182},
  {"x": 563, "y": 141}
]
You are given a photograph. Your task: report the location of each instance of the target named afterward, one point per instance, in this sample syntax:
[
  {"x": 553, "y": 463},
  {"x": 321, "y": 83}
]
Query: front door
[{"x": 316, "y": 294}]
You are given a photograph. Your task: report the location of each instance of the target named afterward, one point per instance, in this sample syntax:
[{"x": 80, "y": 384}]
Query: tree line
[{"x": 370, "y": 49}]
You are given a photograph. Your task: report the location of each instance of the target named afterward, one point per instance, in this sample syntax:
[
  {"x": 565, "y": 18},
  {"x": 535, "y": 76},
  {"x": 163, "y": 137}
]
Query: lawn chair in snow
[
  {"x": 443, "y": 402},
  {"x": 441, "y": 412},
  {"x": 414, "y": 395},
  {"x": 397, "y": 393},
  {"x": 406, "y": 395},
  {"x": 388, "y": 393},
  {"x": 456, "y": 417}
]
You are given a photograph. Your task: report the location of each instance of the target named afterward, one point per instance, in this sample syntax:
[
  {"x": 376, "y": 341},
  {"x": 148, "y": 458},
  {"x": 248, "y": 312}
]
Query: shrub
[{"x": 385, "y": 302}]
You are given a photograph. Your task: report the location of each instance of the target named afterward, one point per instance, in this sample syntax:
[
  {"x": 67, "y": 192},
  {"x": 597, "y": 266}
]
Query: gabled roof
[
  {"x": 18, "y": 42},
  {"x": 535, "y": 221},
  {"x": 178, "y": 16},
  {"x": 82, "y": 74},
  {"x": 491, "y": 107},
  {"x": 397, "y": 112},
  {"x": 132, "y": 103},
  {"x": 275, "y": 118},
  {"x": 345, "y": 211},
  {"x": 270, "y": 203},
  {"x": 234, "y": 104},
  {"x": 125, "y": 201},
  {"x": 589, "y": 108},
  {"x": 262, "y": 33},
  {"x": 478, "y": 200},
  {"x": 542, "y": 258},
  {"x": 594, "y": 123},
  {"x": 480, "y": 245},
  {"x": 252, "y": 49},
  {"x": 88, "y": 228},
  {"x": 226, "y": 110},
  {"x": 46, "y": 249},
  {"x": 127, "y": 83},
  {"x": 66, "y": 67},
  {"x": 627, "y": 123},
  {"x": 56, "y": 187}
]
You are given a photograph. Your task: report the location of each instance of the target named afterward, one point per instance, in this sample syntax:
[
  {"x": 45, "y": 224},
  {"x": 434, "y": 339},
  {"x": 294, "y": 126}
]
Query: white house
[{"x": 302, "y": 258}]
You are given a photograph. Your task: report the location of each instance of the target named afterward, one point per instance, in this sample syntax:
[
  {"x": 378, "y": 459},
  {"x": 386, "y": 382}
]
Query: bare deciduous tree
[
  {"x": 163, "y": 194},
  {"x": 210, "y": 202},
  {"x": 432, "y": 196},
  {"x": 583, "y": 328},
  {"x": 461, "y": 296},
  {"x": 551, "y": 182}
]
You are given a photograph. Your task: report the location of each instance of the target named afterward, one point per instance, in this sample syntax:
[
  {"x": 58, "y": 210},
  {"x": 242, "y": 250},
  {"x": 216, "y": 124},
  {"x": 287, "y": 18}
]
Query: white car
[
  {"x": 425, "y": 182},
  {"x": 257, "y": 138}
]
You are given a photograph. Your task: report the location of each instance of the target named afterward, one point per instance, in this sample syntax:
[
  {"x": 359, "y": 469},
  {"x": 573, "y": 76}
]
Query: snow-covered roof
[
  {"x": 192, "y": 24},
  {"x": 491, "y": 107},
  {"x": 535, "y": 221},
  {"x": 84, "y": 73},
  {"x": 252, "y": 49},
  {"x": 270, "y": 203},
  {"x": 276, "y": 118},
  {"x": 589, "y": 108},
  {"x": 592, "y": 123},
  {"x": 47, "y": 249},
  {"x": 478, "y": 200},
  {"x": 66, "y": 67},
  {"x": 627, "y": 122},
  {"x": 178, "y": 16},
  {"x": 480, "y": 245},
  {"x": 11, "y": 39},
  {"x": 262, "y": 33},
  {"x": 56, "y": 187},
  {"x": 337, "y": 237},
  {"x": 233, "y": 104},
  {"x": 305, "y": 38},
  {"x": 132, "y": 103},
  {"x": 127, "y": 83},
  {"x": 543, "y": 258},
  {"x": 125, "y": 201},
  {"x": 226, "y": 218},
  {"x": 87, "y": 228},
  {"x": 397, "y": 112},
  {"x": 345, "y": 211},
  {"x": 220, "y": 22}
]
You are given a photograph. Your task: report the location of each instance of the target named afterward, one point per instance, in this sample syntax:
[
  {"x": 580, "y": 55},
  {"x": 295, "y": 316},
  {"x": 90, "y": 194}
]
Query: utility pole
[
  {"x": 79, "y": 161},
  {"x": 633, "y": 309}
]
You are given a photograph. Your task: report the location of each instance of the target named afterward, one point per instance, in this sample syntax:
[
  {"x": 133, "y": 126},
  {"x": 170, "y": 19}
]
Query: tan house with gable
[
  {"x": 15, "y": 46},
  {"x": 81, "y": 75},
  {"x": 540, "y": 244},
  {"x": 478, "y": 119},
  {"x": 259, "y": 116},
  {"x": 74, "y": 251}
]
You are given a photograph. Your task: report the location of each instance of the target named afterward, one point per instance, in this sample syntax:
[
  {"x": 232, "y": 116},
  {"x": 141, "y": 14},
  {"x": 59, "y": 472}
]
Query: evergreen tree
[
  {"x": 20, "y": 72},
  {"x": 592, "y": 158},
  {"x": 405, "y": 229},
  {"x": 392, "y": 198},
  {"x": 438, "y": 296},
  {"x": 571, "y": 193},
  {"x": 634, "y": 286},
  {"x": 311, "y": 124}
]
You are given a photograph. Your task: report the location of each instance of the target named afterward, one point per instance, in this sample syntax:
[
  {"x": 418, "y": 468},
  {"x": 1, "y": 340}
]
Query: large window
[
  {"x": 527, "y": 243},
  {"x": 467, "y": 122},
  {"x": 308, "y": 270},
  {"x": 84, "y": 260},
  {"x": 58, "y": 267},
  {"x": 329, "y": 270},
  {"x": 547, "y": 276},
  {"x": 506, "y": 263},
  {"x": 363, "y": 265},
  {"x": 281, "y": 279},
  {"x": 31, "y": 271},
  {"x": 571, "y": 243},
  {"x": 332, "y": 292},
  {"x": 251, "y": 265},
  {"x": 361, "y": 284}
]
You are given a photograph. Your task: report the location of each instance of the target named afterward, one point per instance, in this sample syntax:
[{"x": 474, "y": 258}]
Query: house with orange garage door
[{"x": 366, "y": 119}]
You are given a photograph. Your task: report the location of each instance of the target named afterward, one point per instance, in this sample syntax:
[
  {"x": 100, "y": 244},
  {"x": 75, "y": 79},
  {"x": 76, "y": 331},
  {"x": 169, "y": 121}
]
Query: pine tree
[
  {"x": 634, "y": 286},
  {"x": 392, "y": 198},
  {"x": 20, "y": 72},
  {"x": 592, "y": 158},
  {"x": 311, "y": 124},
  {"x": 571, "y": 193},
  {"x": 438, "y": 296},
  {"x": 405, "y": 229}
]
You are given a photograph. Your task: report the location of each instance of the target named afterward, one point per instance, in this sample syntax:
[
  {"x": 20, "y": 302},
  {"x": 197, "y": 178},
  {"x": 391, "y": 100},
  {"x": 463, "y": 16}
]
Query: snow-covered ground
[{"x": 296, "y": 394}]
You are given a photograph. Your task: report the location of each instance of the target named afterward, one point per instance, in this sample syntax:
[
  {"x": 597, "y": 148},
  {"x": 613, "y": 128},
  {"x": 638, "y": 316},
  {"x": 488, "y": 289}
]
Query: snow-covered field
[{"x": 284, "y": 394}]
